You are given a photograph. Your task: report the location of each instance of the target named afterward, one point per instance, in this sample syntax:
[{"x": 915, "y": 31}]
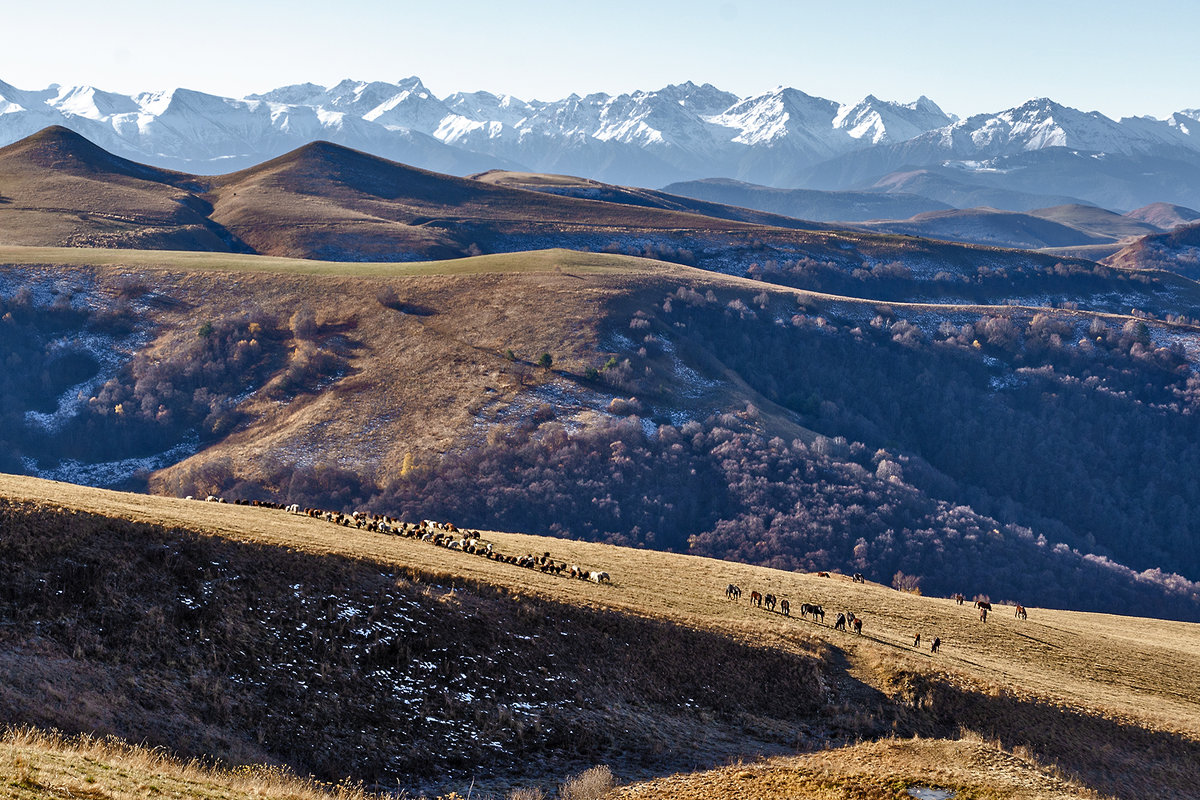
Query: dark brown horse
[
  {"x": 1021, "y": 612},
  {"x": 769, "y": 602},
  {"x": 756, "y": 599},
  {"x": 858, "y": 625},
  {"x": 785, "y": 607}
]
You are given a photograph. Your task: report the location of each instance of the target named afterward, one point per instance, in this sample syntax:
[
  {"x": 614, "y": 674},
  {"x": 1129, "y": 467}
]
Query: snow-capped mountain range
[{"x": 782, "y": 138}]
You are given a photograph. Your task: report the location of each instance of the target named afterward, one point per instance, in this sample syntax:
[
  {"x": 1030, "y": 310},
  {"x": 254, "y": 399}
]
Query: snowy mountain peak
[
  {"x": 682, "y": 131},
  {"x": 25, "y": 98},
  {"x": 358, "y": 97},
  {"x": 412, "y": 107},
  {"x": 882, "y": 121},
  {"x": 297, "y": 94},
  {"x": 926, "y": 106},
  {"x": 92, "y": 103}
]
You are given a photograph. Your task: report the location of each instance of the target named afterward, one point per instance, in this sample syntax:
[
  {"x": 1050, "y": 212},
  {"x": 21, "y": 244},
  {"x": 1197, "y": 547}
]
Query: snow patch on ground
[
  {"x": 110, "y": 473},
  {"x": 48, "y": 288},
  {"x": 108, "y": 351},
  {"x": 689, "y": 383}
]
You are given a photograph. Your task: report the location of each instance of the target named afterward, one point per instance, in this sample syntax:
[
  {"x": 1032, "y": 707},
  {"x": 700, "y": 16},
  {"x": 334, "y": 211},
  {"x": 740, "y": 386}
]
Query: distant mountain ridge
[{"x": 783, "y": 138}]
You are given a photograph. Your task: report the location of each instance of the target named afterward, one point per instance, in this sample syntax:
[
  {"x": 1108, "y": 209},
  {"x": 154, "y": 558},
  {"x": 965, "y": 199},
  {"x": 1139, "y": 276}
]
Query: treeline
[
  {"x": 187, "y": 387},
  {"x": 1082, "y": 427},
  {"x": 982, "y": 284}
]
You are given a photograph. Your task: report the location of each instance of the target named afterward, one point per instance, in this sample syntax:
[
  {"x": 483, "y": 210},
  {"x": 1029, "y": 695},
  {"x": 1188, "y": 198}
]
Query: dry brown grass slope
[
  {"x": 1164, "y": 216},
  {"x": 327, "y": 201},
  {"x": 1173, "y": 252},
  {"x": 57, "y": 188},
  {"x": 1113, "y": 701},
  {"x": 881, "y": 770},
  {"x": 424, "y": 345},
  {"x": 36, "y": 765},
  {"x": 586, "y": 188}
]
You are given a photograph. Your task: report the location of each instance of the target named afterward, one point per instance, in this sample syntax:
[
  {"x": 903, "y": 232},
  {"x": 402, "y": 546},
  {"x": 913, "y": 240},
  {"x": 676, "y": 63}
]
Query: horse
[
  {"x": 785, "y": 607},
  {"x": 1021, "y": 612},
  {"x": 732, "y": 592},
  {"x": 984, "y": 607},
  {"x": 858, "y": 625},
  {"x": 756, "y": 599},
  {"x": 815, "y": 610},
  {"x": 840, "y": 625},
  {"x": 822, "y": 574},
  {"x": 769, "y": 602},
  {"x": 858, "y": 578},
  {"x": 959, "y": 599}
]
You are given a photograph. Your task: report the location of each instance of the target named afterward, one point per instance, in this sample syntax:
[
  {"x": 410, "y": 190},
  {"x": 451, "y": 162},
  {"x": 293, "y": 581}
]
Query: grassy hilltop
[{"x": 258, "y": 636}]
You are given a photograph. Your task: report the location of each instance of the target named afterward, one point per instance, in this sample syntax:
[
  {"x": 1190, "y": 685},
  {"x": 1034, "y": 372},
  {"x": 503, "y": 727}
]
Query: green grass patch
[{"x": 531, "y": 261}]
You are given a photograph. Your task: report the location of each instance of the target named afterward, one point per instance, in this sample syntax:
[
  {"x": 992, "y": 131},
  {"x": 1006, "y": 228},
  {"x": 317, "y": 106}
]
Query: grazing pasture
[
  {"x": 1089, "y": 693},
  {"x": 1141, "y": 669}
]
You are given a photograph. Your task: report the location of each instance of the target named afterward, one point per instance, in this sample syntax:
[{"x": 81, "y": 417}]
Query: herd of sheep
[{"x": 441, "y": 534}]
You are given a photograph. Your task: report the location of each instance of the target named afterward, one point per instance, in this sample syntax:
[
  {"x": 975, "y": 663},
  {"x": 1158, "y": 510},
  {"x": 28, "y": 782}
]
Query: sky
[{"x": 969, "y": 56}]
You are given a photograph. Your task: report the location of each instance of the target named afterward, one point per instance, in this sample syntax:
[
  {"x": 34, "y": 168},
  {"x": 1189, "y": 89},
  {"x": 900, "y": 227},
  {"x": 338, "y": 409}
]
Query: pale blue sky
[{"x": 1120, "y": 58}]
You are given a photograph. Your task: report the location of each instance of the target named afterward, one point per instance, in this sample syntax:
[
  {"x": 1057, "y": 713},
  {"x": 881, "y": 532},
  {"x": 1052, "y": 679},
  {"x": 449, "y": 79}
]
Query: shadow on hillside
[
  {"x": 248, "y": 653},
  {"x": 1110, "y": 756}
]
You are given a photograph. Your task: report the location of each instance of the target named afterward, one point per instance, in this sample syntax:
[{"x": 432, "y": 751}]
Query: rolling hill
[
  {"x": 1057, "y": 227},
  {"x": 485, "y": 388},
  {"x": 252, "y": 635},
  {"x": 1164, "y": 216},
  {"x": 648, "y": 198},
  {"x": 808, "y": 203},
  {"x": 327, "y": 202},
  {"x": 59, "y": 188},
  {"x": 321, "y": 200},
  {"x": 1176, "y": 251}
]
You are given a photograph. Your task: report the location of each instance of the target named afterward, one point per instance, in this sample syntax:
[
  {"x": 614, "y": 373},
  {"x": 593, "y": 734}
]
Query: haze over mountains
[{"x": 1037, "y": 155}]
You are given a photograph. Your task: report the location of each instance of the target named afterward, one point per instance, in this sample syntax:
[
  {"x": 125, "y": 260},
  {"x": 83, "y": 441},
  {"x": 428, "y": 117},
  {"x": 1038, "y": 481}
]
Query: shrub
[
  {"x": 589, "y": 785},
  {"x": 906, "y": 583},
  {"x": 527, "y": 793}
]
